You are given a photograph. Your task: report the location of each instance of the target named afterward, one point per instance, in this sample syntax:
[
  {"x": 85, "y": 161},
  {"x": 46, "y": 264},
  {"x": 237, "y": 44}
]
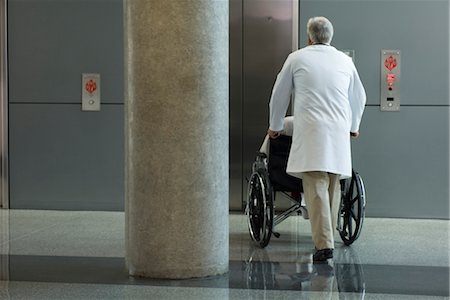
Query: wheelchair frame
[{"x": 261, "y": 198}]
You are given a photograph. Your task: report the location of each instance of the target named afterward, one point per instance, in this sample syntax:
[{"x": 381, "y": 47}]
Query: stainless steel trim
[
  {"x": 4, "y": 182},
  {"x": 237, "y": 175},
  {"x": 295, "y": 24}
]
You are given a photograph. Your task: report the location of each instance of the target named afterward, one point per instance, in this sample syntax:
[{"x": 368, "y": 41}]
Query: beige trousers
[{"x": 322, "y": 196}]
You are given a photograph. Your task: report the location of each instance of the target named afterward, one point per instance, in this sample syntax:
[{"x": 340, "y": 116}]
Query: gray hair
[{"x": 320, "y": 30}]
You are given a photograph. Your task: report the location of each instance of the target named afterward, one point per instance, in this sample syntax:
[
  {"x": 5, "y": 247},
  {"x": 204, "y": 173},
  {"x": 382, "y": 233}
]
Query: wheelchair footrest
[{"x": 276, "y": 234}]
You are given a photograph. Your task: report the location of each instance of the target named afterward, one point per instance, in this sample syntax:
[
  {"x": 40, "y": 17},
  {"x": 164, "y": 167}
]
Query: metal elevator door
[{"x": 262, "y": 34}]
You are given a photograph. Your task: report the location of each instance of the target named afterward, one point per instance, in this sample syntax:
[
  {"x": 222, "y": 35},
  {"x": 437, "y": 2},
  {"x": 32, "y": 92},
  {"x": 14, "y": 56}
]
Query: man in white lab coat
[{"x": 329, "y": 101}]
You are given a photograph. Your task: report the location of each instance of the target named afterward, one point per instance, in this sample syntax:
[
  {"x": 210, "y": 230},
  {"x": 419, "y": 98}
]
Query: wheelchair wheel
[
  {"x": 352, "y": 208},
  {"x": 259, "y": 207}
]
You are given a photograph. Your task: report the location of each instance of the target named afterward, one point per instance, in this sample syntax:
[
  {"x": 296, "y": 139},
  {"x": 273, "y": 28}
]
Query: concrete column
[{"x": 176, "y": 95}]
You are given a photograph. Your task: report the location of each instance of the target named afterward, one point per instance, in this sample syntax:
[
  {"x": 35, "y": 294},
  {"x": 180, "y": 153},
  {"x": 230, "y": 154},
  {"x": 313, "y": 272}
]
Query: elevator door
[{"x": 261, "y": 37}]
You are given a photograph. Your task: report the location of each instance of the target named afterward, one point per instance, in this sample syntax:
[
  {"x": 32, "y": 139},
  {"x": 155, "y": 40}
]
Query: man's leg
[
  {"x": 335, "y": 198},
  {"x": 316, "y": 187}
]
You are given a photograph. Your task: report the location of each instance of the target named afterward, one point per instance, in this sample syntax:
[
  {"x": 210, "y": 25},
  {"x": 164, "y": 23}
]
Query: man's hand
[
  {"x": 354, "y": 135},
  {"x": 273, "y": 134}
]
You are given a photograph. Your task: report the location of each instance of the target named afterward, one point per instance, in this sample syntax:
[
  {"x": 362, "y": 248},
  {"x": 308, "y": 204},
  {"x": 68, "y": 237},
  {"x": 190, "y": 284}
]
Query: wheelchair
[{"x": 269, "y": 177}]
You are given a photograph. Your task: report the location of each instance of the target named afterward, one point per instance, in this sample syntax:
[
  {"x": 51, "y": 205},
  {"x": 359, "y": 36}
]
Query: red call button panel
[
  {"x": 390, "y": 80},
  {"x": 90, "y": 94}
]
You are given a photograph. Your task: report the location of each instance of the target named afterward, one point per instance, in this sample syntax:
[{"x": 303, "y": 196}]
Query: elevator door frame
[{"x": 4, "y": 161}]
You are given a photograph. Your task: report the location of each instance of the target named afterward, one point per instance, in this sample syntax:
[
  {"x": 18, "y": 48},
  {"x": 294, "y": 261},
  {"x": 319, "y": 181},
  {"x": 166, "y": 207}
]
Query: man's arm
[
  {"x": 281, "y": 95},
  {"x": 357, "y": 99}
]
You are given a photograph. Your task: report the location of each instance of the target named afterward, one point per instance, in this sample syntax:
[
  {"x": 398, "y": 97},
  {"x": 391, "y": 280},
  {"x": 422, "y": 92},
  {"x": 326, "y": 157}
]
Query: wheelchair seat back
[{"x": 278, "y": 157}]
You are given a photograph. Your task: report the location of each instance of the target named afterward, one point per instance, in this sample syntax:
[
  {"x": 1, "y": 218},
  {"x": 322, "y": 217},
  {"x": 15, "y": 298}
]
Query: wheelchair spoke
[
  {"x": 352, "y": 184},
  {"x": 345, "y": 225},
  {"x": 353, "y": 215},
  {"x": 350, "y": 231}
]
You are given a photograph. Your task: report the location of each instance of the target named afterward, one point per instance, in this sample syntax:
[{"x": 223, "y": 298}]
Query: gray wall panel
[
  {"x": 62, "y": 158},
  {"x": 52, "y": 42},
  {"x": 402, "y": 156},
  {"x": 404, "y": 161},
  {"x": 420, "y": 29}
]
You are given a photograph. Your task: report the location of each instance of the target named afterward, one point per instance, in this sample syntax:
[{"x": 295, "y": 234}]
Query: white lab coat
[{"x": 329, "y": 101}]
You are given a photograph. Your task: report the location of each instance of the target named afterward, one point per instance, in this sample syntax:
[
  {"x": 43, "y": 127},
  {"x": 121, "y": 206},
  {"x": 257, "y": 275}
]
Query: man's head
[{"x": 319, "y": 30}]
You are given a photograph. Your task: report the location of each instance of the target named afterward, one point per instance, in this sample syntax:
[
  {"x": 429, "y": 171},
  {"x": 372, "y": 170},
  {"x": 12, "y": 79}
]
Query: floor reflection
[
  {"x": 345, "y": 274},
  {"x": 303, "y": 275},
  {"x": 255, "y": 273}
]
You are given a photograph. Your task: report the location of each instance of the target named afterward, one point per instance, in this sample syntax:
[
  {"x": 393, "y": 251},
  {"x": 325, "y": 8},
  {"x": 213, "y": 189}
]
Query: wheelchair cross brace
[{"x": 296, "y": 208}]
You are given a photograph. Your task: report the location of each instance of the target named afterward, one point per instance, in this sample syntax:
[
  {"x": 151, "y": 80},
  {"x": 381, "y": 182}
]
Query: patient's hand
[{"x": 273, "y": 134}]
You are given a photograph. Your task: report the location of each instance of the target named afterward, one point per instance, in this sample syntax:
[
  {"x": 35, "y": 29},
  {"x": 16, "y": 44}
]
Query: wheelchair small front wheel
[
  {"x": 259, "y": 208},
  {"x": 352, "y": 208}
]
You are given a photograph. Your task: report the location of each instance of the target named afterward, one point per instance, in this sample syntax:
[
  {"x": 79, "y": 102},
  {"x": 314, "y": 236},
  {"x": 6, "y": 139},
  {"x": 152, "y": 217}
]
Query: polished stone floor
[{"x": 80, "y": 255}]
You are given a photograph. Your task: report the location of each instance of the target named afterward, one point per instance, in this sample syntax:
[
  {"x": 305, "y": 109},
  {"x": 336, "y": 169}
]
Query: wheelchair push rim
[
  {"x": 352, "y": 209},
  {"x": 259, "y": 208}
]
